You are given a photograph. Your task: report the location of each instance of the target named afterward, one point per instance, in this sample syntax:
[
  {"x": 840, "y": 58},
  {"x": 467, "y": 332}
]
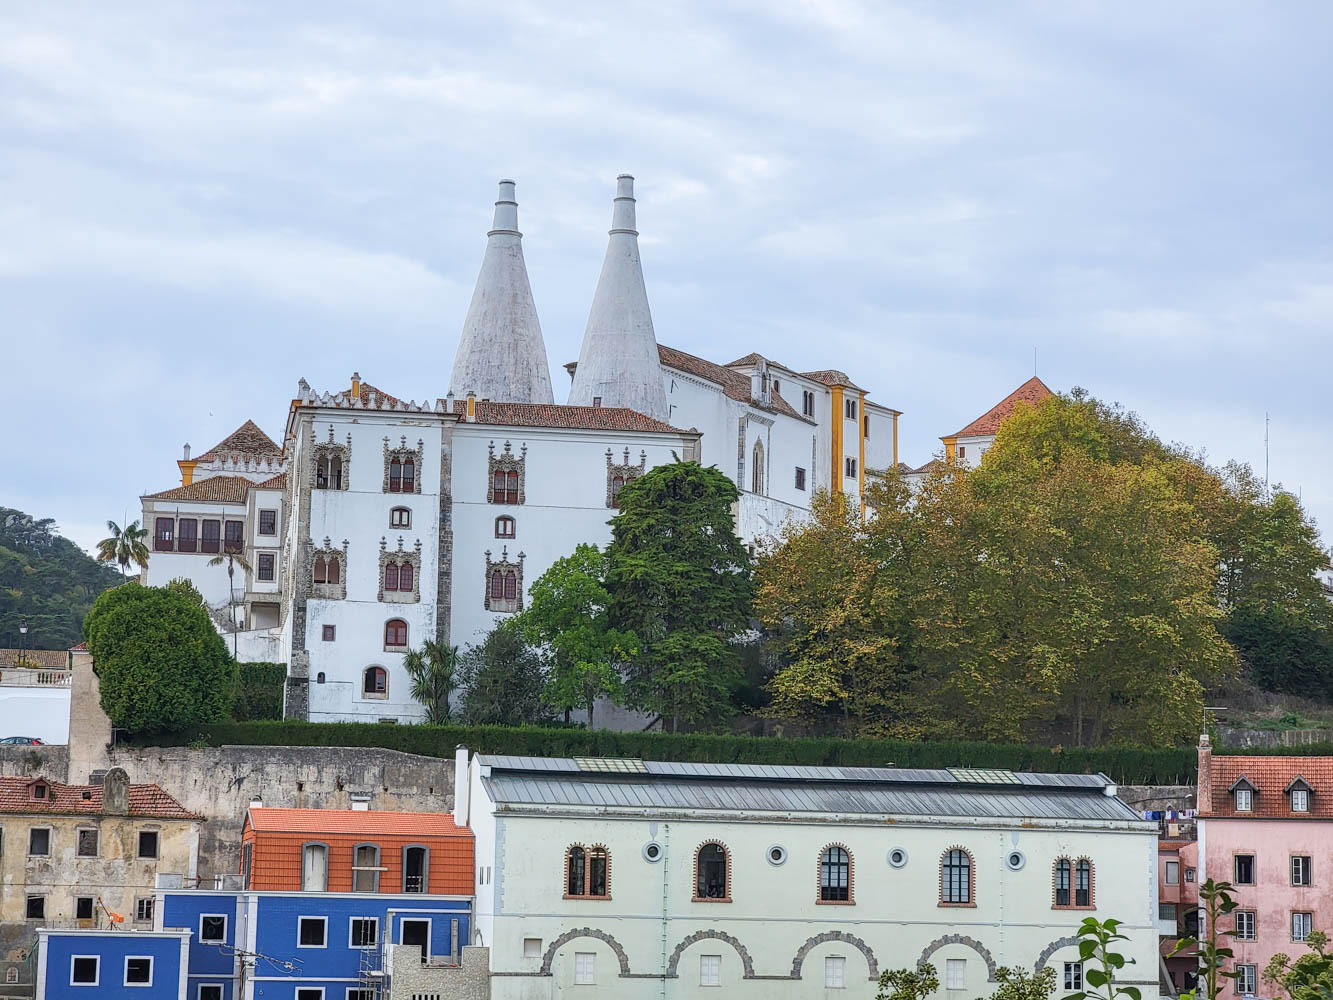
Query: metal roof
[{"x": 781, "y": 788}]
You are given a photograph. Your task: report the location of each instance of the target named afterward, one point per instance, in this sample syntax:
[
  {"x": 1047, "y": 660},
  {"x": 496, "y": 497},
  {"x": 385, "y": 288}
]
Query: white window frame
[
  {"x": 49, "y": 838},
  {"x": 309, "y": 989},
  {"x": 1073, "y": 976},
  {"x": 835, "y": 972},
  {"x": 710, "y": 970},
  {"x": 1309, "y": 924},
  {"x": 585, "y": 972},
  {"x": 951, "y": 981},
  {"x": 202, "y": 917},
  {"x": 323, "y": 920},
  {"x": 362, "y": 947},
  {"x": 406, "y": 919},
  {"x": 152, "y": 969},
  {"x": 1249, "y": 972},
  {"x": 1302, "y": 804},
  {"x": 97, "y": 978},
  {"x": 199, "y": 993},
  {"x": 1249, "y": 931},
  {"x": 152, "y": 906},
  {"x": 358, "y": 989},
  {"x": 1244, "y": 800},
  {"x": 535, "y": 952},
  {"x": 1303, "y": 863}
]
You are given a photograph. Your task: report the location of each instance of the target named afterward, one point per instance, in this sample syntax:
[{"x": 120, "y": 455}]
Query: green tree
[
  {"x": 124, "y": 546},
  {"x": 233, "y": 559},
  {"x": 1283, "y": 649},
  {"x": 503, "y": 679},
  {"x": 433, "y": 671},
  {"x": 908, "y": 984},
  {"x": 1310, "y": 977},
  {"x": 1017, "y": 984},
  {"x": 679, "y": 580},
  {"x": 161, "y": 664},
  {"x": 1213, "y": 957},
  {"x": 568, "y": 617}
]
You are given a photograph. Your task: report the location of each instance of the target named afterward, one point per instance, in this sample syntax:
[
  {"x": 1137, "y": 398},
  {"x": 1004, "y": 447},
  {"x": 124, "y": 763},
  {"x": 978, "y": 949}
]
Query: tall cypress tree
[{"x": 679, "y": 579}]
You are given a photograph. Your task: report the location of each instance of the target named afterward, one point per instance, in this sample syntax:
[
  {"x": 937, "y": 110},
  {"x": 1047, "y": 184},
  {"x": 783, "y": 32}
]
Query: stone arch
[
  {"x": 962, "y": 939},
  {"x": 1051, "y": 949},
  {"x": 845, "y": 938},
  {"x": 579, "y": 932},
  {"x": 747, "y": 963}
]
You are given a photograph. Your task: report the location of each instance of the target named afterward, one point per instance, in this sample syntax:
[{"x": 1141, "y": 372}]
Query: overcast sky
[{"x": 202, "y": 203}]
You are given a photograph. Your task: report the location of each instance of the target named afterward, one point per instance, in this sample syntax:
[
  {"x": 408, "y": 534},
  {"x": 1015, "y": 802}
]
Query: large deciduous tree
[
  {"x": 503, "y": 679},
  {"x": 160, "y": 662},
  {"x": 679, "y": 580},
  {"x": 568, "y": 617}
]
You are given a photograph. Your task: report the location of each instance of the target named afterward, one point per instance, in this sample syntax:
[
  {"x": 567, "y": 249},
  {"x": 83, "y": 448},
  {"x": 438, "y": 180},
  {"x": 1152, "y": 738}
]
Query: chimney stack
[{"x": 1203, "y": 798}]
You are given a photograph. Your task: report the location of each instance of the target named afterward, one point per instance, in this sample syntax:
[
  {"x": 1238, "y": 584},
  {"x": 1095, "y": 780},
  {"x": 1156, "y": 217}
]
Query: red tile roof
[
  {"x": 1032, "y": 391},
  {"x": 247, "y": 439},
  {"x": 595, "y": 418},
  {"x": 831, "y": 376},
  {"x": 371, "y": 822},
  {"x": 1270, "y": 777},
  {"x": 278, "y": 482},
  {"x": 85, "y": 800},
  {"x": 54, "y": 659},
  {"x": 734, "y": 385},
  {"x": 382, "y": 398},
  {"x": 214, "y": 489}
]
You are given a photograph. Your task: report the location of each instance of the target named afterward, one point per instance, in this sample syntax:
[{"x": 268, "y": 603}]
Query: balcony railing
[{"x": 24, "y": 677}]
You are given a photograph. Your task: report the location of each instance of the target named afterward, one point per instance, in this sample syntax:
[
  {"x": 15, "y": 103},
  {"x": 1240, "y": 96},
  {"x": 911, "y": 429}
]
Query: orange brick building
[{"x": 331, "y": 850}]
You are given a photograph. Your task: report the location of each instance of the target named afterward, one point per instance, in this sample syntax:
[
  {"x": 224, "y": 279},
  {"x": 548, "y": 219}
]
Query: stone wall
[{"x": 471, "y": 980}]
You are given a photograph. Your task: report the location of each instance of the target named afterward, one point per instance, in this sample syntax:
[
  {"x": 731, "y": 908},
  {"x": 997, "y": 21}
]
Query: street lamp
[{"x": 23, "y": 640}]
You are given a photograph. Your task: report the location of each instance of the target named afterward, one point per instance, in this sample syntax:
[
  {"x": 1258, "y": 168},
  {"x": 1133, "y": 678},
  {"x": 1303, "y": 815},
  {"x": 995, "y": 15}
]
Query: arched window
[
  {"x": 617, "y": 484},
  {"x": 335, "y": 566},
  {"x": 504, "y": 527},
  {"x": 576, "y": 870},
  {"x": 409, "y": 476},
  {"x": 390, "y": 576},
  {"x": 712, "y": 880},
  {"x": 395, "y": 632},
  {"x": 1083, "y": 883},
  {"x": 587, "y": 872},
  {"x": 321, "y": 570},
  {"x": 497, "y": 585},
  {"x": 375, "y": 682},
  {"x": 757, "y": 474},
  {"x": 395, "y": 476},
  {"x": 511, "y": 585},
  {"x": 336, "y": 473},
  {"x": 366, "y": 868},
  {"x": 499, "y": 487},
  {"x": 319, "y": 677},
  {"x": 956, "y": 878},
  {"x": 416, "y": 868},
  {"x": 1062, "y": 873},
  {"x": 835, "y": 875},
  {"x": 314, "y": 868},
  {"x": 400, "y": 517},
  {"x": 405, "y": 577}
]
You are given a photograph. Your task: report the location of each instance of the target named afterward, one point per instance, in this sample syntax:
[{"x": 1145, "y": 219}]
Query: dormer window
[
  {"x": 1242, "y": 795},
  {"x": 41, "y": 791},
  {"x": 1299, "y": 792}
]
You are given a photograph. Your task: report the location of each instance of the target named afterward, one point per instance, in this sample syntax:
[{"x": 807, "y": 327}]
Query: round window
[
  {"x": 777, "y": 855},
  {"x": 897, "y": 857},
  {"x": 1015, "y": 860},
  {"x": 652, "y": 851}
]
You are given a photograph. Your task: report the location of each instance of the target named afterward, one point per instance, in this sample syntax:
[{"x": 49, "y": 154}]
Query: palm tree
[
  {"x": 432, "y": 668},
  {"x": 233, "y": 558},
  {"x": 124, "y": 546}
]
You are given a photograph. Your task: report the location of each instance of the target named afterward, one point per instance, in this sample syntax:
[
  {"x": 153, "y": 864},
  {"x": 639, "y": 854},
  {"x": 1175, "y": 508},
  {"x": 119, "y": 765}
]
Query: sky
[{"x": 201, "y": 204}]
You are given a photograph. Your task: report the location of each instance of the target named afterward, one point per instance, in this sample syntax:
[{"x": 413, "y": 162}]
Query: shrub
[{"x": 259, "y": 692}]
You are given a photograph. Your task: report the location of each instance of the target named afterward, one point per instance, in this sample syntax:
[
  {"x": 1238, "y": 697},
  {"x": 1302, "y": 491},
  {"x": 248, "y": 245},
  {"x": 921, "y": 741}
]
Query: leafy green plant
[
  {"x": 1096, "y": 938},
  {"x": 1212, "y": 957},
  {"x": 1017, "y": 984},
  {"x": 908, "y": 984},
  {"x": 124, "y": 546},
  {"x": 433, "y": 671},
  {"x": 1310, "y": 977}
]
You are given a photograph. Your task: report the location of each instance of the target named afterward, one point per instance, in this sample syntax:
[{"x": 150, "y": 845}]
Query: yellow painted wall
[
  {"x": 187, "y": 471},
  {"x": 837, "y": 439},
  {"x": 861, "y": 435}
]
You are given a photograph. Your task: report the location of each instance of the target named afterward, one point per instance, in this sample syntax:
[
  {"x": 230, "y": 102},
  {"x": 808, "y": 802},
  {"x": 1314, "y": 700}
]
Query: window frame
[
  {"x": 152, "y": 968},
  {"x": 233, "y": 541},
  {"x": 585, "y": 973},
  {"x": 1076, "y": 968},
  {"x": 271, "y": 516},
  {"x": 1250, "y": 931},
  {"x": 1246, "y": 971},
  {"x": 425, "y": 868},
  {"x": 266, "y": 567},
  {"x": 329, "y": 633},
  {"x": 351, "y": 923},
  {"x": 1304, "y": 800},
  {"x": 164, "y": 534},
  {"x": 1248, "y": 799},
  {"x": 1302, "y": 863},
  {"x": 78, "y": 841},
  {"x": 139, "y": 905},
  {"x": 49, "y": 838},
  {"x": 505, "y": 526},
  {"x": 403, "y": 521},
  {"x": 1309, "y": 924},
  {"x": 305, "y": 847},
  {"x": 590, "y": 853},
  {"x": 381, "y": 693},
  {"x": 199, "y": 993},
  {"x": 97, "y": 969},
  {"x": 323, "y": 921},
  {"x": 726, "y": 873},
  {"x": 947, "y": 861},
  {"x": 184, "y": 544},
  {"x": 92, "y": 907},
  {"x": 835, "y": 972},
  {"x": 961, "y": 965},
  {"x": 399, "y": 628},
  {"x": 800, "y": 479},
  {"x": 827, "y": 869},
  {"x": 210, "y": 541},
  {"x": 212, "y": 916},
  {"x": 1235, "y": 869},
  {"x": 157, "y": 845},
  {"x": 375, "y": 870},
  {"x": 28, "y": 900},
  {"x": 714, "y": 974},
  {"x": 1169, "y": 867},
  {"x": 1062, "y": 881}
]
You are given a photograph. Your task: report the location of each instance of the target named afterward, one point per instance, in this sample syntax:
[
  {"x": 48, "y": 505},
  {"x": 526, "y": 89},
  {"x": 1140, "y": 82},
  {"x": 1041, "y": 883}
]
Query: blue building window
[
  {"x": 138, "y": 970},
  {"x": 364, "y": 932},
  {"x": 312, "y": 932},
  {"x": 84, "y": 970},
  {"x": 212, "y": 928},
  {"x": 210, "y": 991}
]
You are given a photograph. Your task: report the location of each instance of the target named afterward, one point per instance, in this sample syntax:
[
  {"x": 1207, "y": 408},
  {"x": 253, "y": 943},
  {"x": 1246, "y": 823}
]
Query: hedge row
[
  {"x": 1126, "y": 765},
  {"x": 259, "y": 692}
]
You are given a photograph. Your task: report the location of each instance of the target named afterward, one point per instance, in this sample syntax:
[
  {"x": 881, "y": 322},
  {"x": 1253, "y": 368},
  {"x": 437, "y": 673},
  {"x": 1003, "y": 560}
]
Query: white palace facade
[{"x": 377, "y": 523}]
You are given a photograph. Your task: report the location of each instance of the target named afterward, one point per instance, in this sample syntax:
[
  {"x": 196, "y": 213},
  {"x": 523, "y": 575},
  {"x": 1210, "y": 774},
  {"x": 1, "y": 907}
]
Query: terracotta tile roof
[
  {"x": 214, "y": 489},
  {"x": 85, "y": 800},
  {"x": 734, "y": 385},
  {"x": 930, "y": 466},
  {"x": 247, "y": 439},
  {"x": 278, "y": 482},
  {"x": 595, "y": 418},
  {"x": 355, "y": 821},
  {"x": 53, "y": 659},
  {"x": 831, "y": 376},
  {"x": 82, "y": 645},
  {"x": 1032, "y": 391},
  {"x": 382, "y": 398},
  {"x": 1270, "y": 777}
]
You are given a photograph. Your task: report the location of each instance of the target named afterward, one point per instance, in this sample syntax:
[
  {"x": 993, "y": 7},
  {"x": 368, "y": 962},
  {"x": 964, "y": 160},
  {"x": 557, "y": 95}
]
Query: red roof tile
[
  {"x": 375, "y": 822},
  {"x": 278, "y": 482},
  {"x": 247, "y": 439},
  {"x": 214, "y": 489},
  {"x": 734, "y": 385},
  {"x": 831, "y": 376},
  {"x": 596, "y": 418},
  {"x": 85, "y": 800},
  {"x": 1270, "y": 777},
  {"x": 1032, "y": 391},
  {"x": 54, "y": 659}
]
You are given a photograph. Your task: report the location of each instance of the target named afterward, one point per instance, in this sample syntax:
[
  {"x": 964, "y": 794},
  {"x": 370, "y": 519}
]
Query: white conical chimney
[
  {"x": 501, "y": 355},
  {"x": 618, "y": 362}
]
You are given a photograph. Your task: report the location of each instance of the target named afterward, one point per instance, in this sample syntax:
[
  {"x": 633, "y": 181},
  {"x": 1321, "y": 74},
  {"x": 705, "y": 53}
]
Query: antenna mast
[{"x": 1265, "y": 451}]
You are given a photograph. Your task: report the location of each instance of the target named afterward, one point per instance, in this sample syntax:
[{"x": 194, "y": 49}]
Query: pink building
[
  {"x": 1266, "y": 826},
  {"x": 1177, "y": 897}
]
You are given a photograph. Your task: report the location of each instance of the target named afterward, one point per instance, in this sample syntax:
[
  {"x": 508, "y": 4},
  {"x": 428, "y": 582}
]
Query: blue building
[
  {"x": 238, "y": 945},
  {"x": 112, "y": 965}
]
